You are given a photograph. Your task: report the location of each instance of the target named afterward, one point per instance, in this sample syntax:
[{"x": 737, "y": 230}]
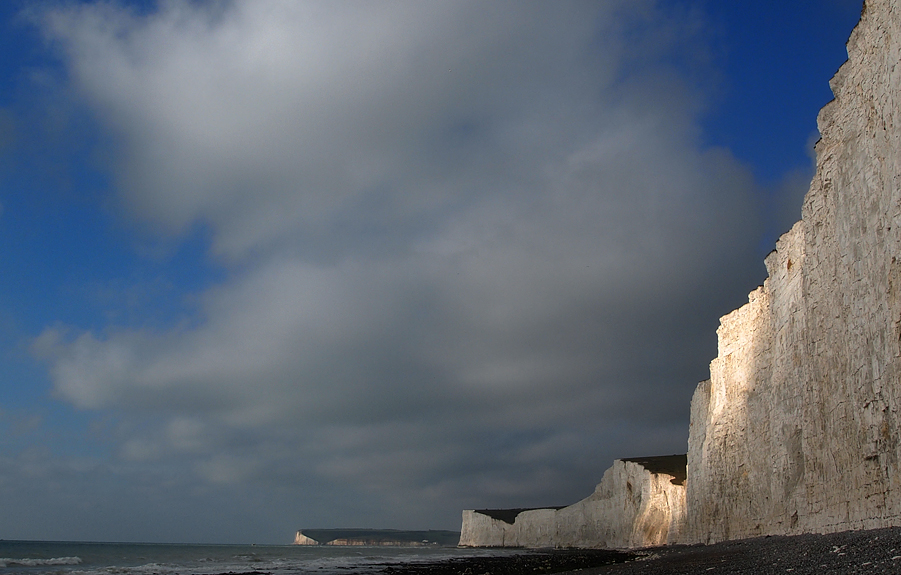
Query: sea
[{"x": 73, "y": 558}]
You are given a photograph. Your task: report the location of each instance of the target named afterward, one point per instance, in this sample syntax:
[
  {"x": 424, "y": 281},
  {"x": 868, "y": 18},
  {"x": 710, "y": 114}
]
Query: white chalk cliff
[
  {"x": 798, "y": 429},
  {"x": 638, "y": 503}
]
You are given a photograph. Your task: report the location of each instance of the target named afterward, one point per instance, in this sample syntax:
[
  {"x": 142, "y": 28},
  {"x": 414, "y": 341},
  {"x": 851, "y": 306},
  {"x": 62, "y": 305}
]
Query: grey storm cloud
[{"x": 475, "y": 250}]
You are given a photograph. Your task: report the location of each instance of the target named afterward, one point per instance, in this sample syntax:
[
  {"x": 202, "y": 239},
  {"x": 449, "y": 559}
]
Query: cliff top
[
  {"x": 674, "y": 465},
  {"x": 509, "y": 515}
]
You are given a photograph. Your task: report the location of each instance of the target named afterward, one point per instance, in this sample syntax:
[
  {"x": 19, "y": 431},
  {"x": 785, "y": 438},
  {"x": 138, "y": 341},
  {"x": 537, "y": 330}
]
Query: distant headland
[{"x": 376, "y": 537}]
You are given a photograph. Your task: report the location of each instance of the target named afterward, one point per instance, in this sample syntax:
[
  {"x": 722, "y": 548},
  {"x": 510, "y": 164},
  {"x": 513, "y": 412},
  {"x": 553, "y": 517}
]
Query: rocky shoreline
[
  {"x": 529, "y": 561},
  {"x": 849, "y": 552}
]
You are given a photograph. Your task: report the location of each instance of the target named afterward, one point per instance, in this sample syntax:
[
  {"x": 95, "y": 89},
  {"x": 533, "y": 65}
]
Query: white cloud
[
  {"x": 467, "y": 239},
  {"x": 283, "y": 121}
]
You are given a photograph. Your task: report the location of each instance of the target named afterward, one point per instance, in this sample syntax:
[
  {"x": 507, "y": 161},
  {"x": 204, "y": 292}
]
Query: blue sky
[{"x": 279, "y": 265}]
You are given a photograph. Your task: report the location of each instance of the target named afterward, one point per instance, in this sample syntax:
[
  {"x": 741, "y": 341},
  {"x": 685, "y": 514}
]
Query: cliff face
[
  {"x": 797, "y": 429},
  {"x": 636, "y": 504},
  {"x": 301, "y": 539}
]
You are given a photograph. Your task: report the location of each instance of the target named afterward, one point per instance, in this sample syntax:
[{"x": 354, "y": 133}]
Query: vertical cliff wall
[
  {"x": 638, "y": 503},
  {"x": 798, "y": 428}
]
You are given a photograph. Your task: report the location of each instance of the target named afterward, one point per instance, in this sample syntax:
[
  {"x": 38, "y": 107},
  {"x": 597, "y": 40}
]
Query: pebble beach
[{"x": 850, "y": 552}]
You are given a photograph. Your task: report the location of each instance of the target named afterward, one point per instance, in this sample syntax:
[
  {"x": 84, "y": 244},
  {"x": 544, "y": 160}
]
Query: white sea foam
[
  {"x": 161, "y": 559},
  {"x": 27, "y": 562}
]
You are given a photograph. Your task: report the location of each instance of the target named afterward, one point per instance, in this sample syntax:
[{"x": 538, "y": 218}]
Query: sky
[{"x": 280, "y": 265}]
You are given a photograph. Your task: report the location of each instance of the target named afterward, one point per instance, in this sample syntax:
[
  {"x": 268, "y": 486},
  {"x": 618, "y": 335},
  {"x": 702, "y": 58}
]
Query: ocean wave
[{"x": 27, "y": 562}]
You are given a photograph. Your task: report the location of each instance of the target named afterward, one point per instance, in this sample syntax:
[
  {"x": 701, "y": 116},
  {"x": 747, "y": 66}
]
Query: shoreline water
[{"x": 90, "y": 558}]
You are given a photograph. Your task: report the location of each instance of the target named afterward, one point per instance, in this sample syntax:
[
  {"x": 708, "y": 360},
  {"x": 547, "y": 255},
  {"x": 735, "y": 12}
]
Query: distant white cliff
[
  {"x": 301, "y": 539},
  {"x": 376, "y": 537}
]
